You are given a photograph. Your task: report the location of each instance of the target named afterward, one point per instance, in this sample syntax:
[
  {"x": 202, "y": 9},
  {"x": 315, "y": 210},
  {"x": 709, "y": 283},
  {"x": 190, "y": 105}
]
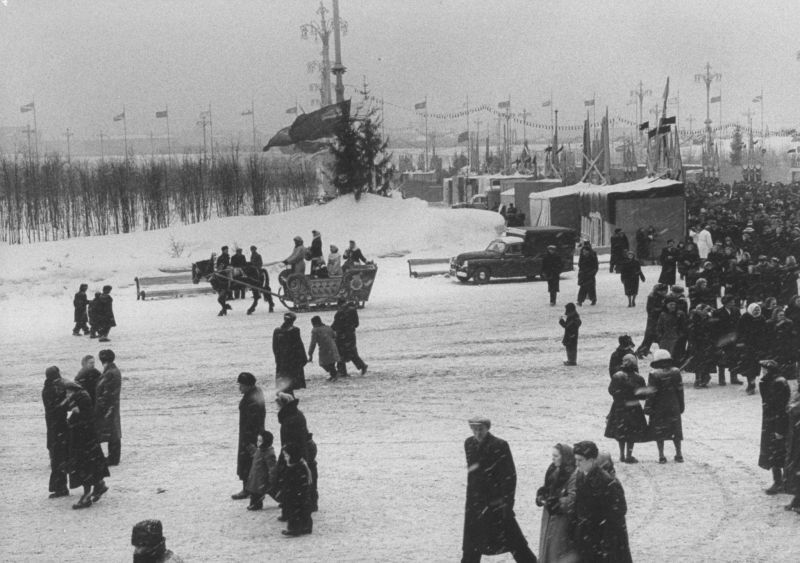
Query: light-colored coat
[
  {"x": 297, "y": 259},
  {"x": 324, "y": 337},
  {"x": 704, "y": 243},
  {"x": 334, "y": 264}
]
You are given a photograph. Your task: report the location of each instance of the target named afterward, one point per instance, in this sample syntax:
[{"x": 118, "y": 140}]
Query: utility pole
[
  {"x": 68, "y": 134},
  {"x": 477, "y": 141},
  {"x": 253, "y": 119},
  {"x": 640, "y": 94},
  {"x": 426, "y": 131},
  {"x": 102, "y": 152},
  {"x": 338, "y": 69}
]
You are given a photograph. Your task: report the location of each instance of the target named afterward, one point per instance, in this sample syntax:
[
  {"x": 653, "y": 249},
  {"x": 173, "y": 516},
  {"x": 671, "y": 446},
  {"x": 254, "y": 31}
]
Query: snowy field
[{"x": 391, "y": 462}]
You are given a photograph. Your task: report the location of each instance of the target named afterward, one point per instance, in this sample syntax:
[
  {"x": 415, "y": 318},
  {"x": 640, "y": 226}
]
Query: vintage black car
[{"x": 518, "y": 253}]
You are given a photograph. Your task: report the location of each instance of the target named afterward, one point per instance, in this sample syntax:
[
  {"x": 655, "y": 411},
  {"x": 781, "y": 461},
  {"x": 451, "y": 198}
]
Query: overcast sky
[{"x": 83, "y": 59}]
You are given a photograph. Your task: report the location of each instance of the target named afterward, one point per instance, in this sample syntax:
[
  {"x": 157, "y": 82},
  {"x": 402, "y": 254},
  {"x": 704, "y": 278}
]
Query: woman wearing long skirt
[
  {"x": 625, "y": 422},
  {"x": 630, "y": 272},
  {"x": 557, "y": 497},
  {"x": 665, "y": 404},
  {"x": 87, "y": 464}
]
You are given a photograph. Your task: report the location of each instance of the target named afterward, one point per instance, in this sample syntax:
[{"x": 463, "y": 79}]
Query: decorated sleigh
[{"x": 298, "y": 291}]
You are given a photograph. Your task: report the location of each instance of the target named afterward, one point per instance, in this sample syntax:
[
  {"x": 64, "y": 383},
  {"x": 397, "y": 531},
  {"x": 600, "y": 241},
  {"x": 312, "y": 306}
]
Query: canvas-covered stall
[
  {"x": 630, "y": 206},
  {"x": 558, "y": 206},
  {"x": 520, "y": 189}
]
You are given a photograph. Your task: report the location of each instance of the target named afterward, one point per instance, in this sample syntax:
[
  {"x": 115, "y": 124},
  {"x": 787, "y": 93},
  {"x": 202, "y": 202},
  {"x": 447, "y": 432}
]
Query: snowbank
[{"x": 380, "y": 226}]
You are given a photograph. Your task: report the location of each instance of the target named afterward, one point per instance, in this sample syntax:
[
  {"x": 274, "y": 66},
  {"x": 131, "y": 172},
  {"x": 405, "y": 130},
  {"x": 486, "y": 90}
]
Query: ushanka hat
[{"x": 147, "y": 533}]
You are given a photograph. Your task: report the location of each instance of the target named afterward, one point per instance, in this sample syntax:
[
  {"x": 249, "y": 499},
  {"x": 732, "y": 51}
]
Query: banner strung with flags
[
  {"x": 716, "y": 99},
  {"x": 26, "y": 108},
  {"x": 504, "y": 105},
  {"x": 160, "y": 114},
  {"x": 463, "y": 137},
  {"x": 421, "y": 105},
  {"x": 588, "y": 103},
  {"x": 292, "y": 110},
  {"x": 547, "y": 103},
  {"x": 119, "y": 117}
]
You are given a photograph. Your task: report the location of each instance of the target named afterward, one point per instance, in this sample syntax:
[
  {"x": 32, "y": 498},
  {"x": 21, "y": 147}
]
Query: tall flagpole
[
  {"x": 253, "y": 117},
  {"x": 102, "y": 152},
  {"x": 169, "y": 142},
  {"x": 35, "y": 130},
  {"x": 762, "y": 116},
  {"x": 125, "y": 131},
  {"x": 426, "y": 132},
  {"x": 211, "y": 132},
  {"x": 469, "y": 142}
]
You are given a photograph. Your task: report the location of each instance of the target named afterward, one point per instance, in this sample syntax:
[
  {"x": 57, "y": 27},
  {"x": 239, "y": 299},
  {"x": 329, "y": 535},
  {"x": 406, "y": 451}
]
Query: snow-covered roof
[{"x": 640, "y": 185}]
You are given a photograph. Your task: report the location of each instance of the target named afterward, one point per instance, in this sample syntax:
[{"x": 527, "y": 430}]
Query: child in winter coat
[
  {"x": 571, "y": 321},
  {"x": 262, "y": 471},
  {"x": 295, "y": 493}
]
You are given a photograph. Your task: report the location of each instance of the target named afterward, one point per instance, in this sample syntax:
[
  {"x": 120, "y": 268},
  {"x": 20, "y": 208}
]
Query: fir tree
[{"x": 361, "y": 162}]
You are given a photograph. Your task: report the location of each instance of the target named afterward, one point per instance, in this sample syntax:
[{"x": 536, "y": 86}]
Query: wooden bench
[
  {"x": 172, "y": 286},
  {"x": 415, "y": 272}
]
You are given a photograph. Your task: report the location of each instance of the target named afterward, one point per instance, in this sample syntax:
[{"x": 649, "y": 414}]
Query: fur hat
[
  {"x": 246, "y": 378},
  {"x": 661, "y": 357},
  {"x": 52, "y": 373},
  {"x": 625, "y": 340},
  {"x": 147, "y": 533},
  {"x": 585, "y": 449}
]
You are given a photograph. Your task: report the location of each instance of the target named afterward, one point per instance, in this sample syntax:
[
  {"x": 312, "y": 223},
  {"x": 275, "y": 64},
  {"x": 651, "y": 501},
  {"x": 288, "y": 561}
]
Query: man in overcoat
[
  {"x": 252, "y": 413},
  {"x": 105, "y": 313},
  {"x": 80, "y": 303},
  {"x": 551, "y": 271},
  {"x": 55, "y": 416},
  {"x": 587, "y": 272},
  {"x": 324, "y": 337},
  {"x": 106, "y": 410},
  {"x": 290, "y": 355},
  {"x": 619, "y": 246},
  {"x": 490, "y": 527},
  {"x": 345, "y": 323},
  {"x": 88, "y": 376},
  {"x": 600, "y": 534}
]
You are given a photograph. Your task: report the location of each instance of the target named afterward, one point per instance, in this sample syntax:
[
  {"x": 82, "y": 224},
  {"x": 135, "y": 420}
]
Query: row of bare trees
[{"x": 52, "y": 199}]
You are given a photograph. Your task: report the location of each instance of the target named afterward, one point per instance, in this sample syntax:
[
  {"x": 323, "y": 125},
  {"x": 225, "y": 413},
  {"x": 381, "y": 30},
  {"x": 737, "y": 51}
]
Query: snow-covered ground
[{"x": 391, "y": 461}]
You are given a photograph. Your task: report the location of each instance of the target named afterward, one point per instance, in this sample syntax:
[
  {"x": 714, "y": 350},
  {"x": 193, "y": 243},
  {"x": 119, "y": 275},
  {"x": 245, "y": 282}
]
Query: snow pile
[{"x": 382, "y": 227}]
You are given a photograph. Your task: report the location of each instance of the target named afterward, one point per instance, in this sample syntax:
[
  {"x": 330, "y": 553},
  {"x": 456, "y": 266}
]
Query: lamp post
[
  {"x": 639, "y": 94},
  {"x": 322, "y": 31},
  {"x": 338, "y": 69}
]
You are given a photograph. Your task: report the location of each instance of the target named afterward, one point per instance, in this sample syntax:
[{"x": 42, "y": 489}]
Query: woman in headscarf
[
  {"x": 557, "y": 496},
  {"x": 750, "y": 333},
  {"x": 625, "y": 422}
]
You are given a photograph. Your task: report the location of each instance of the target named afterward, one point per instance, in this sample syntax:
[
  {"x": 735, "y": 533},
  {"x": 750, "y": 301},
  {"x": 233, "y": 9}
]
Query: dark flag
[
  {"x": 667, "y": 121},
  {"x": 160, "y": 114},
  {"x": 280, "y": 139},
  {"x": 644, "y": 126},
  {"x": 319, "y": 123},
  {"x": 421, "y": 105},
  {"x": 463, "y": 137}
]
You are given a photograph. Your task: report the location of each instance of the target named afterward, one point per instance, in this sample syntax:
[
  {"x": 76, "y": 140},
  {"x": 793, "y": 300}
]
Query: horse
[{"x": 221, "y": 282}]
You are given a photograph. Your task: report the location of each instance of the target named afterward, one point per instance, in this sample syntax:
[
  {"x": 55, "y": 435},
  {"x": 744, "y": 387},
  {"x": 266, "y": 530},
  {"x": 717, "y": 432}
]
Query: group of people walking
[
  {"x": 80, "y": 415},
  {"x": 96, "y": 317},
  {"x": 290, "y": 479},
  {"x": 583, "y": 504}
]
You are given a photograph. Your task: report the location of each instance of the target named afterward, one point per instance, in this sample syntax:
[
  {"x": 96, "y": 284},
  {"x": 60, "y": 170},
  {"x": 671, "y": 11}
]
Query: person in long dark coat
[
  {"x": 619, "y": 247},
  {"x": 295, "y": 435},
  {"x": 557, "y": 497},
  {"x": 352, "y": 256},
  {"x": 108, "y": 422},
  {"x": 630, "y": 272},
  {"x": 724, "y": 332},
  {"x": 345, "y": 323},
  {"x": 323, "y": 336},
  {"x": 490, "y": 527},
  {"x": 655, "y": 304},
  {"x": 263, "y": 470},
  {"x": 601, "y": 533},
  {"x": 669, "y": 263},
  {"x": 784, "y": 343},
  {"x": 587, "y": 272},
  {"x": 626, "y": 346},
  {"x": 290, "y": 355},
  {"x": 88, "y": 376},
  {"x": 665, "y": 404},
  {"x": 54, "y": 396},
  {"x": 80, "y": 303},
  {"x": 672, "y": 330},
  {"x": 701, "y": 353},
  {"x": 792, "y": 468},
  {"x": 252, "y": 413},
  {"x": 94, "y": 318},
  {"x": 296, "y": 489},
  {"x": 551, "y": 271},
  {"x": 571, "y": 321},
  {"x": 775, "y": 395},
  {"x": 105, "y": 314},
  {"x": 87, "y": 464},
  {"x": 751, "y": 344},
  {"x": 625, "y": 422}
]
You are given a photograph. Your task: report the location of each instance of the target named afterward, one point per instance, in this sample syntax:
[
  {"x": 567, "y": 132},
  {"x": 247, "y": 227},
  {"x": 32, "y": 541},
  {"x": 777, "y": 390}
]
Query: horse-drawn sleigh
[{"x": 296, "y": 291}]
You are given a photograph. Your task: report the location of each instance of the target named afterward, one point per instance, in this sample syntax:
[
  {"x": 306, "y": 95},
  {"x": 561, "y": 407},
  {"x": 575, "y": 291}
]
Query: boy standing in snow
[
  {"x": 571, "y": 321},
  {"x": 261, "y": 479}
]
